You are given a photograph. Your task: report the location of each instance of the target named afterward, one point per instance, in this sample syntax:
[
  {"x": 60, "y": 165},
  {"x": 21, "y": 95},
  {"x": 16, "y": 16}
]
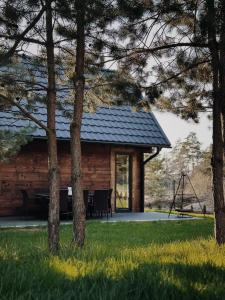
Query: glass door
[{"x": 123, "y": 186}]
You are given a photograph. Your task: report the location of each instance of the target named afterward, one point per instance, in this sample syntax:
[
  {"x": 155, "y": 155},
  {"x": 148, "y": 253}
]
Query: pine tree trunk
[
  {"x": 217, "y": 149},
  {"x": 75, "y": 129},
  {"x": 220, "y": 214},
  {"x": 217, "y": 168},
  {"x": 53, "y": 217}
]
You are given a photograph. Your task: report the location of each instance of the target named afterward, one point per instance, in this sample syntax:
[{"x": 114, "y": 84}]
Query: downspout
[{"x": 144, "y": 162}]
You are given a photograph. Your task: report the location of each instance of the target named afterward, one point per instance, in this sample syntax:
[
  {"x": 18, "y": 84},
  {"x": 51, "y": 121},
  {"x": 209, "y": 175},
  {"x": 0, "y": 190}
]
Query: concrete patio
[
  {"x": 146, "y": 217},
  {"x": 11, "y": 222}
]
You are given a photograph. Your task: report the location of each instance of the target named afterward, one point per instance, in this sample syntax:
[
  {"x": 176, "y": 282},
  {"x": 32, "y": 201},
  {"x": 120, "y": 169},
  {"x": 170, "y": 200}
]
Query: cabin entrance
[{"x": 123, "y": 182}]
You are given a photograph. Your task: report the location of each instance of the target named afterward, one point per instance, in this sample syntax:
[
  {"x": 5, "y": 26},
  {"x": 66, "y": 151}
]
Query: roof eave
[{"x": 112, "y": 143}]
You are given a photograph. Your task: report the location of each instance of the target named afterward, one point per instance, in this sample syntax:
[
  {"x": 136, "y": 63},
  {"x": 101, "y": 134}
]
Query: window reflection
[{"x": 122, "y": 181}]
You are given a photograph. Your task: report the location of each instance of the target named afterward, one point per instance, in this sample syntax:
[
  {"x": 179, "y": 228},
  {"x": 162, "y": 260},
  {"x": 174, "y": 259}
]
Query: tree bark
[
  {"x": 217, "y": 169},
  {"x": 53, "y": 216},
  {"x": 217, "y": 149},
  {"x": 220, "y": 228},
  {"x": 75, "y": 129}
]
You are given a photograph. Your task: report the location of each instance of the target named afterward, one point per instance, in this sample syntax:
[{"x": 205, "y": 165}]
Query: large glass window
[{"x": 122, "y": 181}]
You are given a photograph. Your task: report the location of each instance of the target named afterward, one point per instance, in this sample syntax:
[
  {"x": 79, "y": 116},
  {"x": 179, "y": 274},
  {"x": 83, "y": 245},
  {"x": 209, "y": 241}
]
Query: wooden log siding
[{"x": 29, "y": 170}]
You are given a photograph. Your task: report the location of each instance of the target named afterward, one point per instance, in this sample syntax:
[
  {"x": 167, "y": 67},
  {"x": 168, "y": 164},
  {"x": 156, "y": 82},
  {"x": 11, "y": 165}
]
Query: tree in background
[
  {"x": 201, "y": 178},
  {"x": 156, "y": 187},
  {"x": 185, "y": 155}
]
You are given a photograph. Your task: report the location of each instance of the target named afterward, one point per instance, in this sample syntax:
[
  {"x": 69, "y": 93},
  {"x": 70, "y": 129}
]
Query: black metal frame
[{"x": 181, "y": 184}]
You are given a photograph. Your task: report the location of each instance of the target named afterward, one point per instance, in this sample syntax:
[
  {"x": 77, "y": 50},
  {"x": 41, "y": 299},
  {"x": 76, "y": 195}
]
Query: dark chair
[
  {"x": 109, "y": 201},
  {"x": 42, "y": 200},
  {"x": 88, "y": 202},
  {"x": 101, "y": 202},
  {"x": 64, "y": 204},
  {"x": 29, "y": 206},
  {"x": 44, "y": 190},
  {"x": 86, "y": 195},
  {"x": 24, "y": 207}
]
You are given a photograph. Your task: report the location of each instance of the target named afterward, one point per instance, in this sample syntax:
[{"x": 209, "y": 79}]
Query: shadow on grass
[{"x": 20, "y": 280}]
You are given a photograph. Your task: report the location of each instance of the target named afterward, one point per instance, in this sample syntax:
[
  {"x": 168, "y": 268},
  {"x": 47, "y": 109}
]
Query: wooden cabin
[{"x": 114, "y": 140}]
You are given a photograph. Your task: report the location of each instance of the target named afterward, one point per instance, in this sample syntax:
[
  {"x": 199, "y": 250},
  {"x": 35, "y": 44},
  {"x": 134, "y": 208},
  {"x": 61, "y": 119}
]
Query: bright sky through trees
[{"x": 176, "y": 128}]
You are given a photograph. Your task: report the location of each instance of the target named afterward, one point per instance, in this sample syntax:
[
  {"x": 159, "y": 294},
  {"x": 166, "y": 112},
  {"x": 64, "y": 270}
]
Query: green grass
[
  {"x": 173, "y": 212},
  {"x": 155, "y": 260}
]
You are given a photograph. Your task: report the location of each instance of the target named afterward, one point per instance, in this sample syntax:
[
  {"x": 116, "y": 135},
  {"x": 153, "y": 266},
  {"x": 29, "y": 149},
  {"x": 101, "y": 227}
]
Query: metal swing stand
[{"x": 181, "y": 185}]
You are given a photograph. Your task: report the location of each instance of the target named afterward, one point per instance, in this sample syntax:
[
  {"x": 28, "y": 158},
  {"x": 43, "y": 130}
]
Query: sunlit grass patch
[{"x": 72, "y": 267}]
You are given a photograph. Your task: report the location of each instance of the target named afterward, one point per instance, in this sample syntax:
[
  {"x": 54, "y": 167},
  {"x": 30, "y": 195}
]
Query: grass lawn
[
  {"x": 173, "y": 212},
  {"x": 154, "y": 260}
]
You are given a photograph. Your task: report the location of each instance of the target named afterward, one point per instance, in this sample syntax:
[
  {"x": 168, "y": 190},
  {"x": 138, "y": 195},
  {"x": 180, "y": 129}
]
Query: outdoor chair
[
  {"x": 26, "y": 200},
  {"x": 42, "y": 200},
  {"x": 86, "y": 202},
  {"x": 109, "y": 201},
  {"x": 44, "y": 190},
  {"x": 102, "y": 203},
  {"x": 86, "y": 195},
  {"x": 29, "y": 206},
  {"x": 65, "y": 210}
]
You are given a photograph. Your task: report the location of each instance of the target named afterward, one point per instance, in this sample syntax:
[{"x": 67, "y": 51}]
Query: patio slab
[
  {"x": 22, "y": 222},
  {"x": 12, "y": 222},
  {"x": 147, "y": 217}
]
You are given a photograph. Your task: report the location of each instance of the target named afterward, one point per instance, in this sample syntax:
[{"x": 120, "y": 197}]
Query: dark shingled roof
[{"x": 115, "y": 125}]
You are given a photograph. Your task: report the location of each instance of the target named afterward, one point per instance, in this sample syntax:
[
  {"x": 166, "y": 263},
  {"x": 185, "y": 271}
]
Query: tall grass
[{"x": 155, "y": 260}]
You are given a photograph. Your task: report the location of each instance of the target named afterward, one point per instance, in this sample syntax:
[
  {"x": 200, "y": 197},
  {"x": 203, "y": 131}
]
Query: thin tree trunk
[
  {"x": 75, "y": 128},
  {"x": 53, "y": 217},
  {"x": 217, "y": 149}
]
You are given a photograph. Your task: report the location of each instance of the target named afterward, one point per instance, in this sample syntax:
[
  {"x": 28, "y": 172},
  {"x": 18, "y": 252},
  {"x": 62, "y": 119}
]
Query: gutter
[{"x": 144, "y": 162}]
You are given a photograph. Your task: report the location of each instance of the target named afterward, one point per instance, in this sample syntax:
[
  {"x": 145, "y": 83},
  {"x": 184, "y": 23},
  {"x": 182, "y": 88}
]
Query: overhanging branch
[
  {"x": 179, "y": 73},
  {"x": 23, "y": 34},
  {"x": 28, "y": 115}
]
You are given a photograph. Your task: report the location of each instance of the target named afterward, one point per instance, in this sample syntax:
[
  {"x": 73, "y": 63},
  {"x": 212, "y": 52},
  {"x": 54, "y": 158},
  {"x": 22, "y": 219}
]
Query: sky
[{"x": 175, "y": 128}]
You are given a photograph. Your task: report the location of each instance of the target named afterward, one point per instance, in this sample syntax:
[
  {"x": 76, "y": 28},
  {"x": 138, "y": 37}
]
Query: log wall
[{"x": 29, "y": 170}]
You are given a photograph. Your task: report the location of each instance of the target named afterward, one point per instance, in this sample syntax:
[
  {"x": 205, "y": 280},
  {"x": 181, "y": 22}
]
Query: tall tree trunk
[
  {"x": 221, "y": 212},
  {"x": 217, "y": 168},
  {"x": 75, "y": 128},
  {"x": 217, "y": 149},
  {"x": 53, "y": 217}
]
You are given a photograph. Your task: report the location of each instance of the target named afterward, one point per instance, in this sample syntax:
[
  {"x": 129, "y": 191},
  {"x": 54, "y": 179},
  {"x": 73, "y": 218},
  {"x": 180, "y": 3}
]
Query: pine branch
[
  {"x": 27, "y": 82},
  {"x": 8, "y": 23},
  {"x": 152, "y": 50},
  {"x": 23, "y": 34},
  {"x": 180, "y": 73},
  {"x": 28, "y": 115},
  {"x": 25, "y": 39},
  {"x": 167, "y": 46}
]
